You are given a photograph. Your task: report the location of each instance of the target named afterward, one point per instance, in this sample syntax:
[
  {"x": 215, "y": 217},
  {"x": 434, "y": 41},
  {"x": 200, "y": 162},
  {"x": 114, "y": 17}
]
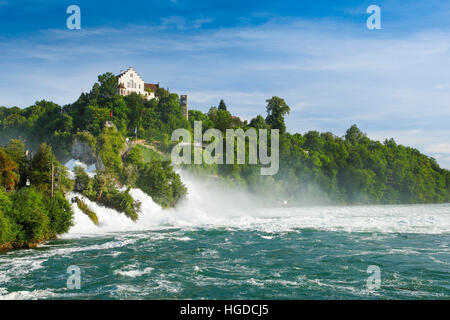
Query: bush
[
  {"x": 83, "y": 207},
  {"x": 121, "y": 201},
  {"x": 5, "y": 202},
  {"x": 104, "y": 191},
  {"x": 81, "y": 179},
  {"x": 8, "y": 228},
  {"x": 30, "y": 213},
  {"x": 159, "y": 181},
  {"x": 9, "y": 171},
  {"x": 109, "y": 146},
  {"x": 60, "y": 214},
  {"x": 7, "y": 233}
]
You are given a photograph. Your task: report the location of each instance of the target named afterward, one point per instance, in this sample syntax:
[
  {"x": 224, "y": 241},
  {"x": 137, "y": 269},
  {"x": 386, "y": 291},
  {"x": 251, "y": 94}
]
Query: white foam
[
  {"x": 209, "y": 205},
  {"x": 133, "y": 273},
  {"x": 28, "y": 295},
  {"x": 18, "y": 267},
  {"x": 109, "y": 220}
]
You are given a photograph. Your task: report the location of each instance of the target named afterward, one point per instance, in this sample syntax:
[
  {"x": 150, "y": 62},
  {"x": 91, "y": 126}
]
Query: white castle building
[{"x": 130, "y": 81}]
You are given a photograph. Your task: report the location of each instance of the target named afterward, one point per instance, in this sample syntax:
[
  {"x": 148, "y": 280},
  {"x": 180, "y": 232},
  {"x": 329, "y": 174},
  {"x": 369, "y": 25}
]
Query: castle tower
[{"x": 184, "y": 105}]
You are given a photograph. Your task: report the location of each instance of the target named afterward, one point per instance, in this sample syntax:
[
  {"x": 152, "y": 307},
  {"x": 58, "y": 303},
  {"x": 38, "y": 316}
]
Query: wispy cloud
[
  {"x": 182, "y": 23},
  {"x": 439, "y": 148},
  {"x": 332, "y": 74}
]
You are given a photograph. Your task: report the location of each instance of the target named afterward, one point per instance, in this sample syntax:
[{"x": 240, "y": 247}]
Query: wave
[
  {"x": 210, "y": 205},
  {"x": 133, "y": 272}
]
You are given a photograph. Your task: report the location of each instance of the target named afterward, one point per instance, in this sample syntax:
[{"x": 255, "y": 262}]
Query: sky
[{"x": 318, "y": 55}]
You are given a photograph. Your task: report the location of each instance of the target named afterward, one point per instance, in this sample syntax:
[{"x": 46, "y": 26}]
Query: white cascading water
[{"x": 210, "y": 205}]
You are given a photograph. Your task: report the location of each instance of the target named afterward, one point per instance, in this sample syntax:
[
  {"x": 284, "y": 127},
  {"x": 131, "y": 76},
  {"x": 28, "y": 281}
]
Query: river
[{"x": 219, "y": 245}]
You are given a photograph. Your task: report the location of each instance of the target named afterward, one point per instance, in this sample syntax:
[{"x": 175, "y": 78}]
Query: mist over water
[
  {"x": 222, "y": 243},
  {"x": 211, "y": 205}
]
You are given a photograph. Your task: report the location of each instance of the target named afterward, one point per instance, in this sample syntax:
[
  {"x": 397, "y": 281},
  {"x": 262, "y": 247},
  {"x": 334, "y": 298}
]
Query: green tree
[
  {"x": 222, "y": 105},
  {"x": 354, "y": 135},
  {"x": 195, "y": 115},
  {"x": 8, "y": 230},
  {"x": 109, "y": 146},
  {"x": 159, "y": 181},
  {"x": 60, "y": 214},
  {"x": 258, "y": 123},
  {"x": 41, "y": 167},
  {"x": 9, "y": 171},
  {"x": 277, "y": 109},
  {"x": 30, "y": 213},
  {"x": 224, "y": 120},
  {"x": 81, "y": 179},
  {"x": 108, "y": 85}
]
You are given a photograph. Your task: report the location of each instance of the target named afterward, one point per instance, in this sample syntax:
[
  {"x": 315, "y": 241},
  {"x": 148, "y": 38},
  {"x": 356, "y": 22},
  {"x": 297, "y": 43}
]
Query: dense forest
[
  {"x": 321, "y": 168},
  {"x": 314, "y": 167},
  {"x": 32, "y": 209}
]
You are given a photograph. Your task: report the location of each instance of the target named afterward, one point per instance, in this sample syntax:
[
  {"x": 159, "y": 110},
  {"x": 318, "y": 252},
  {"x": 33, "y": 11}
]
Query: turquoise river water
[{"x": 217, "y": 245}]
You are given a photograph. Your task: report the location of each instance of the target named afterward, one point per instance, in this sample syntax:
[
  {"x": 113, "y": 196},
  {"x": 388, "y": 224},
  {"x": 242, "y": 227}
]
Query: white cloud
[
  {"x": 198, "y": 23},
  {"x": 183, "y": 23},
  {"x": 439, "y": 148},
  {"x": 331, "y": 75}
]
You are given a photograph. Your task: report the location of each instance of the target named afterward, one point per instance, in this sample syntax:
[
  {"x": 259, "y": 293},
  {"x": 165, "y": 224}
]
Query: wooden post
[{"x": 53, "y": 178}]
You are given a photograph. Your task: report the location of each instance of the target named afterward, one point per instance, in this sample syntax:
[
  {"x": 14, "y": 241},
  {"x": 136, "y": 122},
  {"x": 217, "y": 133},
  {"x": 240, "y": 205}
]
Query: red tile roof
[{"x": 151, "y": 86}]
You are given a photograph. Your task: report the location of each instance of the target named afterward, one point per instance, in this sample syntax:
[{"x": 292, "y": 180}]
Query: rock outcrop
[{"x": 83, "y": 152}]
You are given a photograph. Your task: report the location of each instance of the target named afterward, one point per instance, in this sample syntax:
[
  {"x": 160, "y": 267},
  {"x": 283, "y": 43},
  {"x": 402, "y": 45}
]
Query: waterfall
[{"x": 211, "y": 205}]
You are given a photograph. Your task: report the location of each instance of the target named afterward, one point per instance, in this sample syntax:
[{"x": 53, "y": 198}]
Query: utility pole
[{"x": 53, "y": 178}]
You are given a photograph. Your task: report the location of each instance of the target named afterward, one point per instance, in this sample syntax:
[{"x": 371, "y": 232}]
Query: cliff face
[{"x": 83, "y": 152}]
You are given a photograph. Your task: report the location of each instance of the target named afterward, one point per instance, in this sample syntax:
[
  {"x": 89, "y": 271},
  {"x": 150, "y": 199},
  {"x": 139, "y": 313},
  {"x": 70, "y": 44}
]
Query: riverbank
[{"x": 8, "y": 246}]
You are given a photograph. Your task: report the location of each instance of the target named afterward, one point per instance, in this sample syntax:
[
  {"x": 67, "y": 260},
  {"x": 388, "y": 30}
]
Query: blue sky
[{"x": 318, "y": 55}]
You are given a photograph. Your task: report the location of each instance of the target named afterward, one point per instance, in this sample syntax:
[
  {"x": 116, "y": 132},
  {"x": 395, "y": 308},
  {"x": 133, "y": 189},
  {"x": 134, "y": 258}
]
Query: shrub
[
  {"x": 7, "y": 233},
  {"x": 60, "y": 214},
  {"x": 159, "y": 181},
  {"x": 83, "y": 207},
  {"x": 30, "y": 213},
  {"x": 81, "y": 179},
  {"x": 109, "y": 146}
]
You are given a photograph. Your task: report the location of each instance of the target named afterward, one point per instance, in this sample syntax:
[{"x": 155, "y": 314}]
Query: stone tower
[{"x": 184, "y": 105}]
